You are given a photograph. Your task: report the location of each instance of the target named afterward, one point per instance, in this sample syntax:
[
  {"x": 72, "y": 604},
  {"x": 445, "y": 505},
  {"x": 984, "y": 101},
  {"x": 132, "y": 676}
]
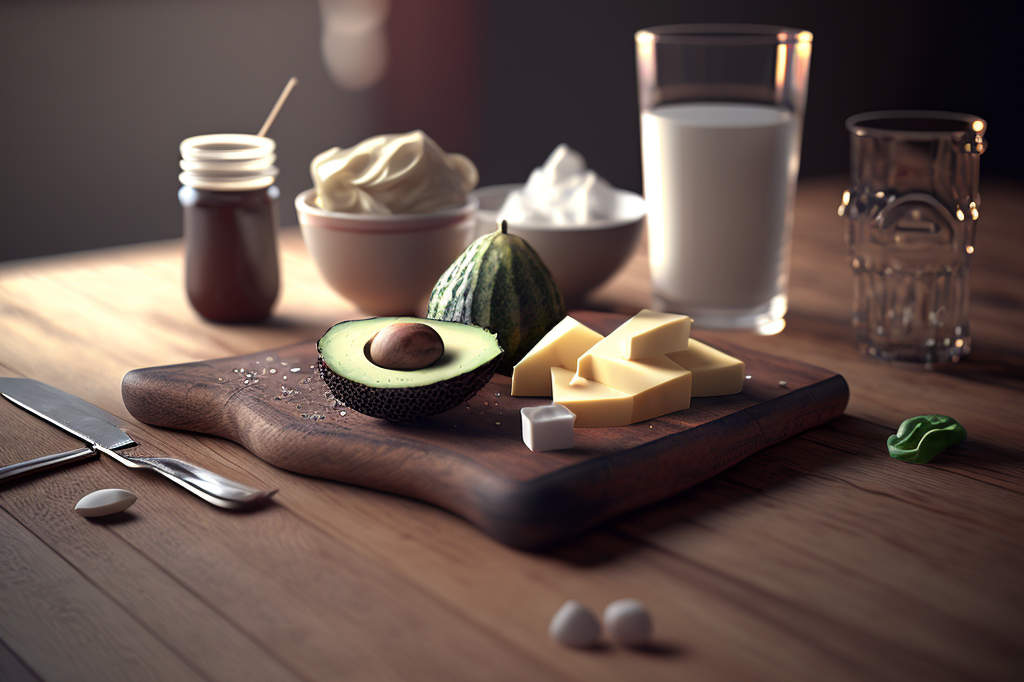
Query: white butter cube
[{"x": 548, "y": 427}]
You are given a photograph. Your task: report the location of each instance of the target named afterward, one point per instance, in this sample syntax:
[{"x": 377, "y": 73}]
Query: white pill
[
  {"x": 627, "y": 621},
  {"x": 574, "y": 625},
  {"x": 103, "y": 502}
]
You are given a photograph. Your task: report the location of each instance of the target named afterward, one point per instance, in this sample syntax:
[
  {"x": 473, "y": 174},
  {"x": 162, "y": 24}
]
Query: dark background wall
[{"x": 96, "y": 94}]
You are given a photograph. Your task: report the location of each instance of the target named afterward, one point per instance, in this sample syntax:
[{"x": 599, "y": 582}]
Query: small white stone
[
  {"x": 574, "y": 625},
  {"x": 548, "y": 427},
  {"x": 104, "y": 502},
  {"x": 626, "y": 621}
]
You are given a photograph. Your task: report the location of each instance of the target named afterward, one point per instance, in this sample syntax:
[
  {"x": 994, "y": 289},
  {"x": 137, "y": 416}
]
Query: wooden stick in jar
[{"x": 277, "y": 106}]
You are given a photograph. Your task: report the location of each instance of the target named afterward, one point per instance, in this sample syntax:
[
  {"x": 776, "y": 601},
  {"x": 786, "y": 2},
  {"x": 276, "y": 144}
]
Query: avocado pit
[{"x": 406, "y": 346}]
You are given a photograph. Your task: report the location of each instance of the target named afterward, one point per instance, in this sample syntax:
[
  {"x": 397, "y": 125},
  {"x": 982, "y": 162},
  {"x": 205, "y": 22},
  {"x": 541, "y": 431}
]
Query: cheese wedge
[
  {"x": 657, "y": 385},
  {"x": 560, "y": 347},
  {"x": 650, "y": 333},
  {"x": 593, "y": 403},
  {"x": 714, "y": 372}
]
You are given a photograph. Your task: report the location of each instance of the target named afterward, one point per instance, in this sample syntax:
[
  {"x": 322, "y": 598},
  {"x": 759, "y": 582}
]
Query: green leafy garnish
[{"x": 919, "y": 439}]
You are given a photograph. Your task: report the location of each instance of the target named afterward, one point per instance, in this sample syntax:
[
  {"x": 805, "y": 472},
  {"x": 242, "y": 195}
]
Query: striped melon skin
[{"x": 501, "y": 284}]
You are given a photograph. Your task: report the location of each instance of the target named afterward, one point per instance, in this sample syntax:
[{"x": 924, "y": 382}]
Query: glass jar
[
  {"x": 230, "y": 219},
  {"x": 911, "y": 215}
]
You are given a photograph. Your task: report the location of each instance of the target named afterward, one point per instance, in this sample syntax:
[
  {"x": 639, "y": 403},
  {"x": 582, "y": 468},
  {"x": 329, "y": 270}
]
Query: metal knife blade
[
  {"x": 71, "y": 413},
  {"x": 96, "y": 427}
]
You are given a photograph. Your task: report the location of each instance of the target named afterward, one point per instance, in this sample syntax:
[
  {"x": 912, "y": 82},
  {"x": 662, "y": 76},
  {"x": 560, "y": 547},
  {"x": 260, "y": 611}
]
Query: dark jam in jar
[
  {"x": 231, "y": 270},
  {"x": 230, "y": 216}
]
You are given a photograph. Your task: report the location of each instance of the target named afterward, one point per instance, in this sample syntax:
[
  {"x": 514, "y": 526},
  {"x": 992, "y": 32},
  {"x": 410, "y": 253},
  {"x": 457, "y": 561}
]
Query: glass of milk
[{"x": 721, "y": 118}]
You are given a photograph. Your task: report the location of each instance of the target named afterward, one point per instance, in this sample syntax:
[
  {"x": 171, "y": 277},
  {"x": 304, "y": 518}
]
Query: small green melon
[
  {"x": 501, "y": 284},
  {"x": 467, "y": 363}
]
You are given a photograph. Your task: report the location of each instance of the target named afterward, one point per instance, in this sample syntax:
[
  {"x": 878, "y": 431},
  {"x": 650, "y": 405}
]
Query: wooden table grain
[{"x": 818, "y": 559}]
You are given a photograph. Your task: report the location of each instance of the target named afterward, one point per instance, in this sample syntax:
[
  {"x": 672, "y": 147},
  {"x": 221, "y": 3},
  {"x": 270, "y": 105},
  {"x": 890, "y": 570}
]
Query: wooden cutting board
[{"x": 472, "y": 460}]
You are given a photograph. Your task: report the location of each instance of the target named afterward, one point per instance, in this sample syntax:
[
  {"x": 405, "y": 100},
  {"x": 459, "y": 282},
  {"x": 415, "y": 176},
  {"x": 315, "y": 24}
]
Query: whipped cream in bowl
[
  {"x": 386, "y": 217},
  {"x": 404, "y": 173},
  {"x": 583, "y": 228},
  {"x": 561, "y": 192}
]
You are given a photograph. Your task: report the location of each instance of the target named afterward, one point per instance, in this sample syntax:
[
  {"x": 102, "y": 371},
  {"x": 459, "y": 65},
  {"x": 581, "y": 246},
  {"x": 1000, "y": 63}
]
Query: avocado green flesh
[
  {"x": 466, "y": 348},
  {"x": 471, "y": 355}
]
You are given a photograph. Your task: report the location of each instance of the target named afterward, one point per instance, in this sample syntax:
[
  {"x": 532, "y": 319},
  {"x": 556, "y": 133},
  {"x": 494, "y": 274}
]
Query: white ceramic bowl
[
  {"x": 580, "y": 257},
  {"x": 385, "y": 264}
]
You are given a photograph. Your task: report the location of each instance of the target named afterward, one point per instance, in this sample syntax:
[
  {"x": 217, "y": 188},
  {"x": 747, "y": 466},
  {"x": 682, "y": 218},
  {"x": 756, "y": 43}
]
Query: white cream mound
[
  {"x": 398, "y": 173},
  {"x": 562, "y": 192}
]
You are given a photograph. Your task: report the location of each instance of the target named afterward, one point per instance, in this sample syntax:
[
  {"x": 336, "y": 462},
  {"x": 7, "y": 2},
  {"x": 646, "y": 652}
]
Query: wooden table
[{"x": 817, "y": 559}]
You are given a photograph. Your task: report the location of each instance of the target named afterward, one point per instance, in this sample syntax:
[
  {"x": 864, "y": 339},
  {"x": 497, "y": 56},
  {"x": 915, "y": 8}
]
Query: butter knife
[{"x": 96, "y": 427}]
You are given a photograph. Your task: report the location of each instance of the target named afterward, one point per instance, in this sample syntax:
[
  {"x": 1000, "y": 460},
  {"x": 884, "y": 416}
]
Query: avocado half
[{"x": 471, "y": 355}]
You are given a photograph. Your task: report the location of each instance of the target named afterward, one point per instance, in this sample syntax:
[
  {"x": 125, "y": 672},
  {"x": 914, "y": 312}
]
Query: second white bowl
[{"x": 580, "y": 257}]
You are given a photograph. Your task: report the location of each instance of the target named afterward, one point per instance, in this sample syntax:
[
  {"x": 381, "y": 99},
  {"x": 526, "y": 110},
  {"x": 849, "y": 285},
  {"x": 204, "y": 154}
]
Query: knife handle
[
  {"x": 46, "y": 462},
  {"x": 211, "y": 487}
]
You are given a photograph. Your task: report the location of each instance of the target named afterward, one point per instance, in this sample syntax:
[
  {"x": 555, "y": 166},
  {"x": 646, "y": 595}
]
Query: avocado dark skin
[
  {"x": 407, "y": 404},
  {"x": 452, "y": 363}
]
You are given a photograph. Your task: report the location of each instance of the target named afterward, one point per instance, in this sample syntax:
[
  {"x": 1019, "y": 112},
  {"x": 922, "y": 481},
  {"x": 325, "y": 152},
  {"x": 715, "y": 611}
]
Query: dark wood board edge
[
  {"x": 445, "y": 477},
  {"x": 599, "y": 489},
  {"x": 537, "y": 513}
]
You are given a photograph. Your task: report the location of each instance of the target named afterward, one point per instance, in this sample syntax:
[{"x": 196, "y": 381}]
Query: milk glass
[
  {"x": 911, "y": 213},
  {"x": 721, "y": 120}
]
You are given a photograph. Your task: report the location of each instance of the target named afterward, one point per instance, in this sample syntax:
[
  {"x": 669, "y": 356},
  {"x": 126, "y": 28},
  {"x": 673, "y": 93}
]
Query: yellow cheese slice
[
  {"x": 714, "y": 372},
  {"x": 650, "y": 333},
  {"x": 593, "y": 403},
  {"x": 658, "y": 385},
  {"x": 560, "y": 347}
]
